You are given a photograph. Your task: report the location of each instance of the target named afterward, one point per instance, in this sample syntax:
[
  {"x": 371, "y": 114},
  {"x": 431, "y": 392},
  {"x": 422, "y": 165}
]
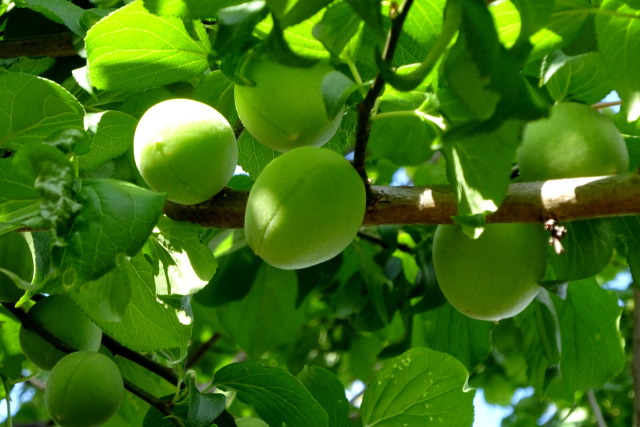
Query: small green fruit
[
  {"x": 574, "y": 141},
  {"x": 64, "y": 319},
  {"x": 186, "y": 149},
  {"x": 285, "y": 108},
  {"x": 15, "y": 256},
  {"x": 305, "y": 208},
  {"x": 84, "y": 389},
  {"x": 494, "y": 276}
]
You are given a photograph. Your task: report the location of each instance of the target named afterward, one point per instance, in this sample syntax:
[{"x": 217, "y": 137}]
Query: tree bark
[{"x": 560, "y": 200}]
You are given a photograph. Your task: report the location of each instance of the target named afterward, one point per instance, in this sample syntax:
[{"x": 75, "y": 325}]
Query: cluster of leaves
[{"x": 462, "y": 78}]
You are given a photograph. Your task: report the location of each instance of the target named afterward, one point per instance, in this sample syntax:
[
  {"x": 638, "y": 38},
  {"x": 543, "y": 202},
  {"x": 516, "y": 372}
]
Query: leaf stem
[
  {"x": 597, "y": 412},
  {"x": 366, "y": 107}
]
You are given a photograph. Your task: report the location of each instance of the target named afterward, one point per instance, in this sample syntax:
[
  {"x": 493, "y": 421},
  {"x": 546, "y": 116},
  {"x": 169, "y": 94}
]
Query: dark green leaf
[
  {"x": 434, "y": 329},
  {"x": 277, "y": 396},
  {"x": 188, "y": 9},
  {"x": 579, "y": 78},
  {"x": 592, "y": 351},
  {"x": 148, "y": 325},
  {"x": 327, "y": 389},
  {"x": 19, "y": 201},
  {"x": 217, "y": 90},
  {"x": 61, "y": 11},
  {"x": 369, "y": 11},
  {"x": 338, "y": 26},
  {"x": 618, "y": 28},
  {"x": 235, "y": 26},
  {"x": 291, "y": 12},
  {"x": 245, "y": 320},
  {"x": 588, "y": 247},
  {"x": 116, "y": 217},
  {"x": 336, "y": 89},
  {"x": 11, "y": 355},
  {"x": 204, "y": 408},
  {"x": 420, "y": 387}
]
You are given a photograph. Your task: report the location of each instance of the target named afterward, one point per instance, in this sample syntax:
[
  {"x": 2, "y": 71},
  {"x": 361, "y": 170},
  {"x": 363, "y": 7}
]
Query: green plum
[
  {"x": 305, "y": 207},
  {"x": 16, "y": 257},
  {"x": 285, "y": 108},
  {"x": 84, "y": 389},
  {"x": 63, "y": 318},
  {"x": 574, "y": 141},
  {"x": 186, "y": 149},
  {"x": 494, "y": 276}
]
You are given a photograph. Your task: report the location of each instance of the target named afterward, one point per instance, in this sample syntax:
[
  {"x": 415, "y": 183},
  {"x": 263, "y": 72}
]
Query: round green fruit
[
  {"x": 84, "y": 389},
  {"x": 285, "y": 108},
  {"x": 494, "y": 276},
  {"x": 61, "y": 316},
  {"x": 15, "y": 256},
  {"x": 305, "y": 208},
  {"x": 574, "y": 141},
  {"x": 186, "y": 149}
]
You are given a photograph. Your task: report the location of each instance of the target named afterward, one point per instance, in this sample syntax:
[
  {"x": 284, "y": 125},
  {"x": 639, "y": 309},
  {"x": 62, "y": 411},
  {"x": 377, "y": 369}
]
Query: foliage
[{"x": 204, "y": 331}]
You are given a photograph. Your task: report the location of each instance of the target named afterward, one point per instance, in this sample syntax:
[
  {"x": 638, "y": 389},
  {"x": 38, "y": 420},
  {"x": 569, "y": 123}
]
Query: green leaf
[
  {"x": 336, "y": 89},
  {"x": 108, "y": 297},
  {"x": 182, "y": 264},
  {"x": 629, "y": 228},
  {"x": 239, "y": 267},
  {"x": 235, "y": 26},
  {"x": 291, "y": 12},
  {"x": 327, "y": 389},
  {"x": 338, "y": 26},
  {"x": 479, "y": 168},
  {"x": 61, "y": 11},
  {"x": 434, "y": 329},
  {"x": 540, "y": 340},
  {"x": 592, "y": 351},
  {"x": 112, "y": 136},
  {"x": 579, "y": 78},
  {"x": 588, "y": 247},
  {"x": 618, "y": 29},
  {"x": 204, "y": 408},
  {"x": 148, "y": 325},
  {"x": 273, "y": 292},
  {"x": 403, "y": 139},
  {"x": 116, "y": 217},
  {"x": 134, "y": 49},
  {"x": 369, "y": 11},
  {"x": 19, "y": 200},
  {"x": 25, "y": 119},
  {"x": 420, "y": 387},
  {"x": 253, "y": 156},
  {"x": 217, "y": 91},
  {"x": 11, "y": 355},
  {"x": 33, "y": 66},
  {"x": 188, "y": 9},
  {"x": 277, "y": 396}
]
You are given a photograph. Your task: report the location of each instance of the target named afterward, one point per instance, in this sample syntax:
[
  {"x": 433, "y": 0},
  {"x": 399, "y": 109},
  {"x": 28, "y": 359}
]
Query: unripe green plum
[
  {"x": 84, "y": 389},
  {"x": 574, "y": 141},
  {"x": 285, "y": 108},
  {"x": 494, "y": 276},
  {"x": 304, "y": 208},
  {"x": 61, "y": 316},
  {"x": 186, "y": 149},
  {"x": 15, "y": 256}
]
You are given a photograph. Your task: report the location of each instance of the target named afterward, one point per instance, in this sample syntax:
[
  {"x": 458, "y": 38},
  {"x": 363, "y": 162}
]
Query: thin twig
[
  {"x": 202, "y": 350},
  {"x": 600, "y": 105},
  {"x": 593, "y": 403},
  {"x": 163, "y": 406},
  {"x": 365, "y": 108}
]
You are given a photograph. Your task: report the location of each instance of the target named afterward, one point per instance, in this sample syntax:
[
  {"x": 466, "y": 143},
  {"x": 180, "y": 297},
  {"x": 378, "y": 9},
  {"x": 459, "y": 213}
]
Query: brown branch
[
  {"x": 363, "y": 128},
  {"x": 52, "y": 45},
  {"x": 562, "y": 200}
]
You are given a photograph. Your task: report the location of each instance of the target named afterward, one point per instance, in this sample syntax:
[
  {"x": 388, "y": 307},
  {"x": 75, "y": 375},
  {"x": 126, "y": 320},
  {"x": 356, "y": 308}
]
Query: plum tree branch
[
  {"x": 366, "y": 107},
  {"x": 561, "y": 200}
]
